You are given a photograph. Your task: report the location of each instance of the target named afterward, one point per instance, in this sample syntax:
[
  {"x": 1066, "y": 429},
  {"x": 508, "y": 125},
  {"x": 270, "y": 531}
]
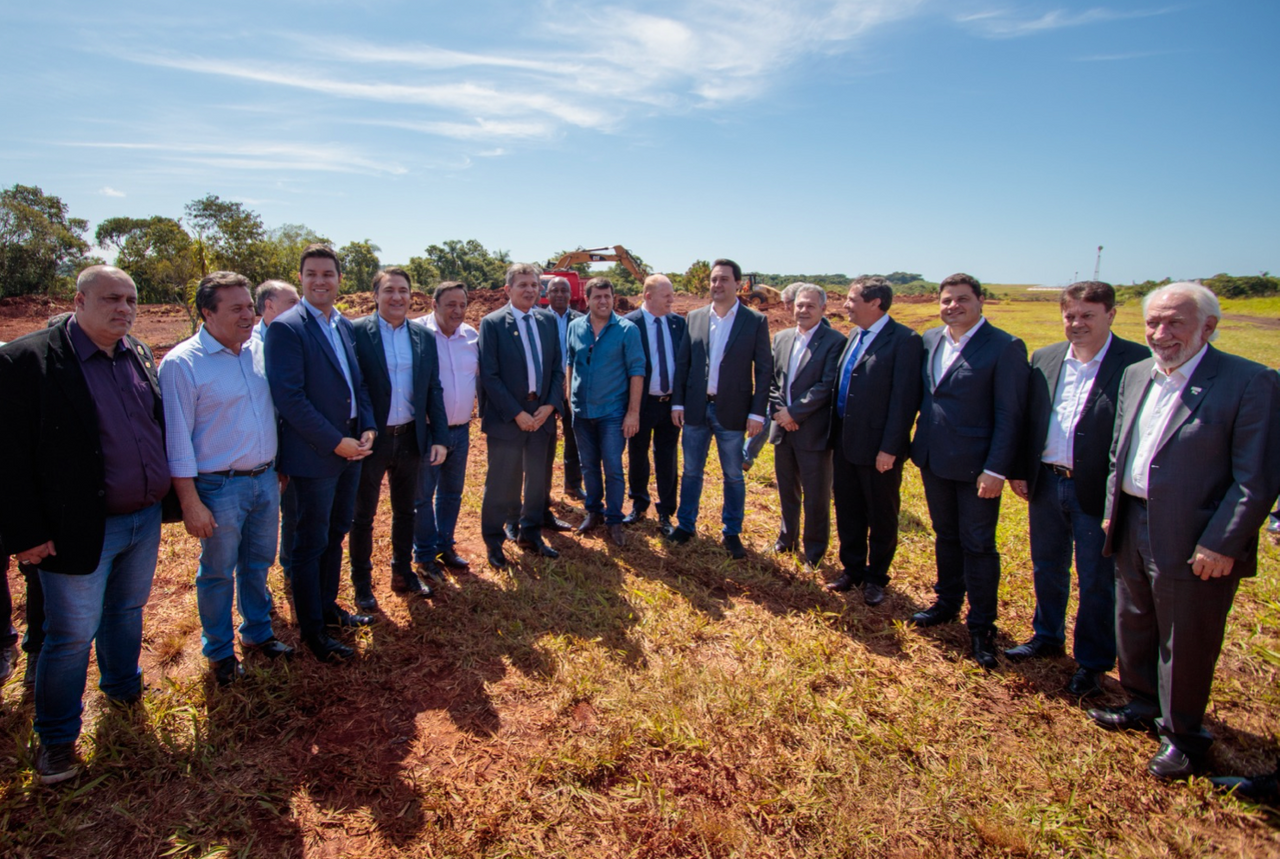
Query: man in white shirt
[{"x": 1071, "y": 412}]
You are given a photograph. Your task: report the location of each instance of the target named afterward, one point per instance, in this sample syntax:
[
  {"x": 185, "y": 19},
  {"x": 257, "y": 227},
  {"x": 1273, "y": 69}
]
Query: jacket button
[{"x": 101, "y": 492}]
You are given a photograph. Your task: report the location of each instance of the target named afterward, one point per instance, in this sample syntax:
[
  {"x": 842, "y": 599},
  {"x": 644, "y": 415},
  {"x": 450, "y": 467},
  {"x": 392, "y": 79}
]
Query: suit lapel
[
  {"x": 375, "y": 336},
  {"x": 1131, "y": 410},
  {"x": 1054, "y": 374},
  {"x": 312, "y": 326},
  {"x": 739, "y": 320},
  {"x": 967, "y": 352},
  {"x": 1192, "y": 396},
  {"x": 880, "y": 340}
]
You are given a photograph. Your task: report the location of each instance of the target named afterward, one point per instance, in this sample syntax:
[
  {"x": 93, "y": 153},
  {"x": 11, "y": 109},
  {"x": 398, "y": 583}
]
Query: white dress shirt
[
  {"x": 666, "y": 344},
  {"x": 798, "y": 345},
  {"x": 720, "y": 328},
  {"x": 524, "y": 327},
  {"x": 459, "y": 367},
  {"x": 950, "y": 350},
  {"x": 1075, "y": 382},
  {"x": 1158, "y": 405}
]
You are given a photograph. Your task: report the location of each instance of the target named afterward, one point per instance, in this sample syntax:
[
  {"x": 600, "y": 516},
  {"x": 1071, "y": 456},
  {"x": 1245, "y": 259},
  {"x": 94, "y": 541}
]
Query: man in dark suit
[
  {"x": 661, "y": 333},
  {"x": 84, "y": 473},
  {"x": 521, "y": 386},
  {"x": 721, "y": 390},
  {"x": 327, "y": 427},
  {"x": 401, "y": 369},
  {"x": 1071, "y": 413},
  {"x": 966, "y": 443},
  {"x": 804, "y": 376},
  {"x": 558, "y": 294},
  {"x": 1193, "y": 473},
  {"x": 876, "y": 400}
]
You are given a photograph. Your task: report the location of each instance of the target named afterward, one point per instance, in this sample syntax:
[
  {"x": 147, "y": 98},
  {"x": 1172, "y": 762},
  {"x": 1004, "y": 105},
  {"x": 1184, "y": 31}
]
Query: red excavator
[{"x": 577, "y": 294}]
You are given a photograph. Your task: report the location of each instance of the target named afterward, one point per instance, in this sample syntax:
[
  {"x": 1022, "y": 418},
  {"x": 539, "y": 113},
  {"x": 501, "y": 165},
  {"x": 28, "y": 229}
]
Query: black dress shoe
[
  {"x": 593, "y": 520},
  {"x": 781, "y": 548},
  {"x": 329, "y": 649},
  {"x": 984, "y": 649},
  {"x": 347, "y": 620},
  {"x": 1084, "y": 683},
  {"x": 367, "y": 602},
  {"x": 1171, "y": 764},
  {"x": 679, "y": 536},
  {"x": 733, "y": 545},
  {"x": 1036, "y": 648},
  {"x": 1121, "y": 719},
  {"x": 872, "y": 594},
  {"x": 846, "y": 582},
  {"x": 410, "y": 583},
  {"x": 227, "y": 671},
  {"x": 665, "y": 525},
  {"x": 618, "y": 536},
  {"x": 575, "y": 494},
  {"x": 273, "y": 648},
  {"x": 537, "y": 544},
  {"x": 633, "y": 517},
  {"x": 1261, "y": 788},
  {"x": 554, "y": 524},
  {"x": 511, "y": 531},
  {"x": 429, "y": 571},
  {"x": 934, "y": 615},
  {"x": 496, "y": 558},
  {"x": 453, "y": 560}
]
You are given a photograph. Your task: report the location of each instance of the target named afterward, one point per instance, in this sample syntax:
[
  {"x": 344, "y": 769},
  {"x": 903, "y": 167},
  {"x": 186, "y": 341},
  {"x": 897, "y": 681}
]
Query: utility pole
[{"x": 1097, "y": 266}]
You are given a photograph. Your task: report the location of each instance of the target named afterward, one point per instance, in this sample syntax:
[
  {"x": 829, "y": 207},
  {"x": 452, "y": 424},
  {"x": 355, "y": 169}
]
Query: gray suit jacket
[
  {"x": 1214, "y": 475},
  {"x": 812, "y": 389},
  {"x": 745, "y": 369}
]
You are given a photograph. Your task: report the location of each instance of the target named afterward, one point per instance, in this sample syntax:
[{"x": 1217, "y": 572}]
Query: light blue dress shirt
[
  {"x": 330, "y": 329},
  {"x": 398, "y": 351}
]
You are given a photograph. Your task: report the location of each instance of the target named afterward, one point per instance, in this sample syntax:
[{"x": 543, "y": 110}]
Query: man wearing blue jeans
[
  {"x": 84, "y": 472},
  {"x": 221, "y": 444},
  {"x": 721, "y": 389},
  {"x": 606, "y": 379},
  {"x": 440, "y": 486}
]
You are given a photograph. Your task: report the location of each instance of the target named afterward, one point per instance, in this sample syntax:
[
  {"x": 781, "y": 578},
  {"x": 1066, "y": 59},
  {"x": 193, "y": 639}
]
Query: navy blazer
[
  {"x": 675, "y": 327},
  {"x": 504, "y": 381},
  {"x": 812, "y": 389},
  {"x": 746, "y": 369},
  {"x": 311, "y": 395},
  {"x": 429, "y": 418},
  {"x": 883, "y": 396},
  {"x": 1091, "y": 448},
  {"x": 971, "y": 420}
]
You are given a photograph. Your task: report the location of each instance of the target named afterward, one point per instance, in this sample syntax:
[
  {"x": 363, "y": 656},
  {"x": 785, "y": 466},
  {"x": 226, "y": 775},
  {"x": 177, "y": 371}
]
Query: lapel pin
[{"x": 1195, "y": 392}]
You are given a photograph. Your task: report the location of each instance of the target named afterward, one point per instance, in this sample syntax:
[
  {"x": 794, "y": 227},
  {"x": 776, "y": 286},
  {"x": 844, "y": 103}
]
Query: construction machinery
[
  {"x": 755, "y": 294},
  {"x": 577, "y": 294}
]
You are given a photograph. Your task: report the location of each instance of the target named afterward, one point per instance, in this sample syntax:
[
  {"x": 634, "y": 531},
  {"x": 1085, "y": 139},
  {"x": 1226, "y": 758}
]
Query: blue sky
[{"x": 1000, "y": 137}]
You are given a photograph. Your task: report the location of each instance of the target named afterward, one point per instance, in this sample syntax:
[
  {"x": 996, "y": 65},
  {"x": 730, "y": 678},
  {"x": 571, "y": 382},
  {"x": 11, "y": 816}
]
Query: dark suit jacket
[
  {"x": 971, "y": 421},
  {"x": 430, "y": 420},
  {"x": 745, "y": 369},
  {"x": 883, "y": 398},
  {"x": 1091, "y": 450},
  {"x": 569, "y": 316},
  {"x": 675, "y": 327},
  {"x": 812, "y": 389},
  {"x": 52, "y": 470},
  {"x": 504, "y": 381},
  {"x": 1214, "y": 475},
  {"x": 311, "y": 395}
]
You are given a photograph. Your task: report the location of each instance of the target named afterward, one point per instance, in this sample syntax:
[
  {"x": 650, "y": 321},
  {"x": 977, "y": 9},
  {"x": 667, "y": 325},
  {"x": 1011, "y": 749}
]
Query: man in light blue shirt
[
  {"x": 221, "y": 444},
  {"x": 606, "y": 381}
]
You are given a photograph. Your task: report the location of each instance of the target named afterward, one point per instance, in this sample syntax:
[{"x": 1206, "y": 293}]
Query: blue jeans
[
  {"x": 696, "y": 444},
  {"x": 235, "y": 560},
  {"x": 103, "y": 608},
  {"x": 326, "y": 506},
  {"x": 600, "y": 443},
  {"x": 1056, "y": 522},
  {"x": 440, "y": 497}
]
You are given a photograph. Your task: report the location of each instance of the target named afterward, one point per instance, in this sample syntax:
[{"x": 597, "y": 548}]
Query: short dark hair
[
  {"x": 210, "y": 284},
  {"x": 267, "y": 291},
  {"x": 962, "y": 279},
  {"x": 322, "y": 251},
  {"x": 444, "y": 286},
  {"x": 873, "y": 287},
  {"x": 1092, "y": 291},
  {"x": 389, "y": 272},
  {"x": 737, "y": 269},
  {"x": 599, "y": 283}
]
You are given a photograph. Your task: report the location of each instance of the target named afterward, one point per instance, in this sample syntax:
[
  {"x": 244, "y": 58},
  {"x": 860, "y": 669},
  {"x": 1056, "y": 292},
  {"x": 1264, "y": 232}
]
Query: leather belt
[
  {"x": 1136, "y": 500},
  {"x": 711, "y": 398},
  {"x": 531, "y": 397},
  {"x": 400, "y": 429},
  {"x": 231, "y": 472},
  {"x": 1060, "y": 470},
  {"x": 458, "y": 426},
  {"x": 660, "y": 398}
]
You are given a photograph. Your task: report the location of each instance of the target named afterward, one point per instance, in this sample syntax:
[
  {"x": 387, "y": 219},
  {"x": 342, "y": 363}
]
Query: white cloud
[
  {"x": 261, "y": 156},
  {"x": 108, "y": 191},
  {"x": 1011, "y": 24}
]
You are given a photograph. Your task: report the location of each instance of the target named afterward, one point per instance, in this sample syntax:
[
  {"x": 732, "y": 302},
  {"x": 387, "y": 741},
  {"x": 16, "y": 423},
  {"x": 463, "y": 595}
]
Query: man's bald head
[
  {"x": 96, "y": 274},
  {"x": 659, "y": 294},
  {"x": 106, "y": 304}
]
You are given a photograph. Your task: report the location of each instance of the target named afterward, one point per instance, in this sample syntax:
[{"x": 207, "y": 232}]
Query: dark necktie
[
  {"x": 848, "y": 373},
  {"x": 534, "y": 349},
  {"x": 664, "y": 374}
]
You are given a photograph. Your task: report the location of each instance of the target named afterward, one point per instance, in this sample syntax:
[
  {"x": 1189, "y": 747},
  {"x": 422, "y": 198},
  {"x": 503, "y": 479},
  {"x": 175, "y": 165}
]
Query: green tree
[
  {"x": 159, "y": 255},
  {"x": 282, "y": 250},
  {"x": 359, "y": 265},
  {"x": 41, "y": 249},
  {"x": 697, "y": 279},
  {"x": 228, "y": 236},
  {"x": 469, "y": 262},
  {"x": 423, "y": 273}
]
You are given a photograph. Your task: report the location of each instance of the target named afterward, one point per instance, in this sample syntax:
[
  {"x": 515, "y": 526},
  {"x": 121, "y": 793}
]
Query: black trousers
[
  {"x": 33, "y": 638},
  {"x": 515, "y": 464},
  {"x": 572, "y": 465},
  {"x": 965, "y": 545},
  {"x": 655, "y": 427},
  {"x": 396, "y": 457},
  {"x": 867, "y": 506}
]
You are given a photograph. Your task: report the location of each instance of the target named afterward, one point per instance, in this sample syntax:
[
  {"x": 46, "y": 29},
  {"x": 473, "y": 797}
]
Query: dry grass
[{"x": 645, "y": 703}]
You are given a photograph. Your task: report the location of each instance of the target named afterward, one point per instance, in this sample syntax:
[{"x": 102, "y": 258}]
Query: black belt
[
  {"x": 1060, "y": 470},
  {"x": 1136, "y": 500},
  {"x": 231, "y": 472},
  {"x": 351, "y": 428},
  {"x": 530, "y": 397},
  {"x": 711, "y": 398},
  {"x": 660, "y": 398},
  {"x": 457, "y": 426},
  {"x": 401, "y": 429}
]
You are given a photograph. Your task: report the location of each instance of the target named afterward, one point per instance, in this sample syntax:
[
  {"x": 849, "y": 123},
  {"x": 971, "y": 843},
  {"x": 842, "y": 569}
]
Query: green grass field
[{"x": 651, "y": 702}]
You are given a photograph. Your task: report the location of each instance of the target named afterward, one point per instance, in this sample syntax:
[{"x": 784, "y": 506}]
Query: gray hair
[
  {"x": 789, "y": 292},
  {"x": 806, "y": 288},
  {"x": 517, "y": 269},
  {"x": 1206, "y": 302},
  {"x": 267, "y": 291}
]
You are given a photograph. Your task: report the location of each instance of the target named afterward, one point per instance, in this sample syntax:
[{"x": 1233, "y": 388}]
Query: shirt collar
[
  {"x": 966, "y": 336},
  {"x": 385, "y": 326},
  {"x": 311, "y": 308},
  {"x": 878, "y": 325},
  {"x": 85, "y": 348},
  {"x": 210, "y": 343},
  {"x": 1096, "y": 359},
  {"x": 733, "y": 311}
]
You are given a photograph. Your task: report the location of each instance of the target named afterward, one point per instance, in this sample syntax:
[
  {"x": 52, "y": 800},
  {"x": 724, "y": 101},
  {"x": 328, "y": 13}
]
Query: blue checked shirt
[{"x": 217, "y": 407}]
